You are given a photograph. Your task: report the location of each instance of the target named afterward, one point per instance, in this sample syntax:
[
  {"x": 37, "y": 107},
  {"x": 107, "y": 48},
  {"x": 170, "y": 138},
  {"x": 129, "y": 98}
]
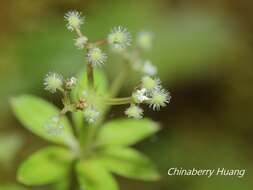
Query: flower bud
[
  {"x": 81, "y": 104},
  {"x": 134, "y": 112},
  {"x": 81, "y": 42},
  {"x": 159, "y": 98},
  {"x": 96, "y": 57},
  {"x": 91, "y": 114},
  {"x": 74, "y": 20},
  {"x": 53, "y": 82},
  {"x": 150, "y": 83},
  {"x": 149, "y": 68},
  {"x": 140, "y": 96},
  {"x": 119, "y": 38},
  {"x": 144, "y": 40}
]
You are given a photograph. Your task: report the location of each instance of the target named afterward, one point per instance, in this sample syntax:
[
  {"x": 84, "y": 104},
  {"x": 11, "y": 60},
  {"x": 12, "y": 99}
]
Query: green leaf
[
  {"x": 93, "y": 176},
  {"x": 35, "y": 112},
  {"x": 45, "y": 166},
  {"x": 63, "y": 184},
  {"x": 129, "y": 163},
  {"x": 126, "y": 131}
]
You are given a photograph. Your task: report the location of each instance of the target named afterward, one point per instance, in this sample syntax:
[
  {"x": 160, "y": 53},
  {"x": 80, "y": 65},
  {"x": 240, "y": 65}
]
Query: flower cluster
[
  {"x": 149, "y": 91},
  {"x": 55, "y": 81}
]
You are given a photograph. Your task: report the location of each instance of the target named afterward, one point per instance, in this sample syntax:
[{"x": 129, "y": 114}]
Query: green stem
[
  {"x": 90, "y": 75},
  {"x": 64, "y": 110},
  {"x": 73, "y": 185},
  {"x": 119, "y": 101},
  {"x": 116, "y": 86},
  {"x": 100, "y": 42},
  {"x": 79, "y": 33}
]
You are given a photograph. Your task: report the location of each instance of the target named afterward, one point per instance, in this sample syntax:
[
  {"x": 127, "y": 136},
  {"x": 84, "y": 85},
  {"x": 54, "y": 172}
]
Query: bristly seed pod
[
  {"x": 96, "y": 57},
  {"x": 159, "y": 98},
  {"x": 53, "y": 82},
  {"x": 74, "y": 20},
  {"x": 119, "y": 38}
]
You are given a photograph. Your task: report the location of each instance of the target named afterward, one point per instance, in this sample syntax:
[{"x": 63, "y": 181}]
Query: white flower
[
  {"x": 54, "y": 126},
  {"x": 134, "y": 112},
  {"x": 96, "y": 57},
  {"x": 80, "y": 42},
  {"x": 144, "y": 40},
  {"x": 71, "y": 83},
  {"x": 91, "y": 114},
  {"x": 74, "y": 20},
  {"x": 149, "y": 68},
  {"x": 140, "y": 96},
  {"x": 119, "y": 38},
  {"x": 53, "y": 82},
  {"x": 150, "y": 83},
  {"x": 159, "y": 98}
]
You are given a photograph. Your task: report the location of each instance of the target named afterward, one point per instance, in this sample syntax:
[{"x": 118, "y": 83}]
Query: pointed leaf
[
  {"x": 35, "y": 112},
  {"x": 93, "y": 176},
  {"x": 126, "y": 131},
  {"x": 130, "y": 163},
  {"x": 45, "y": 166}
]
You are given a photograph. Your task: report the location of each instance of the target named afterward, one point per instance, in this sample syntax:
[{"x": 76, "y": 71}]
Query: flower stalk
[
  {"x": 90, "y": 75},
  {"x": 119, "y": 101}
]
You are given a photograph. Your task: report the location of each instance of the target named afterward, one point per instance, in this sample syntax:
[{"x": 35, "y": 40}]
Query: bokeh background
[{"x": 203, "y": 50}]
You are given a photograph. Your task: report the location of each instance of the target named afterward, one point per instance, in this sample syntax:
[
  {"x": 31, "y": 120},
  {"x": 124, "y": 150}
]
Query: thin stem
[
  {"x": 73, "y": 185},
  {"x": 119, "y": 101},
  {"x": 90, "y": 75},
  {"x": 91, "y": 44},
  {"x": 64, "y": 111},
  {"x": 116, "y": 86},
  {"x": 79, "y": 33},
  {"x": 100, "y": 42}
]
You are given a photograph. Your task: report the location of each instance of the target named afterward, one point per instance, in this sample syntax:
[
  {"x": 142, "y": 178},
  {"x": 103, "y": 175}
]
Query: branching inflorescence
[
  {"x": 149, "y": 91},
  {"x": 91, "y": 154}
]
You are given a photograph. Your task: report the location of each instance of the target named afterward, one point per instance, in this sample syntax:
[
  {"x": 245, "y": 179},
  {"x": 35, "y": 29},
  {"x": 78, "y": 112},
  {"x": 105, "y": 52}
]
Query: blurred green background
[{"x": 203, "y": 50}]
